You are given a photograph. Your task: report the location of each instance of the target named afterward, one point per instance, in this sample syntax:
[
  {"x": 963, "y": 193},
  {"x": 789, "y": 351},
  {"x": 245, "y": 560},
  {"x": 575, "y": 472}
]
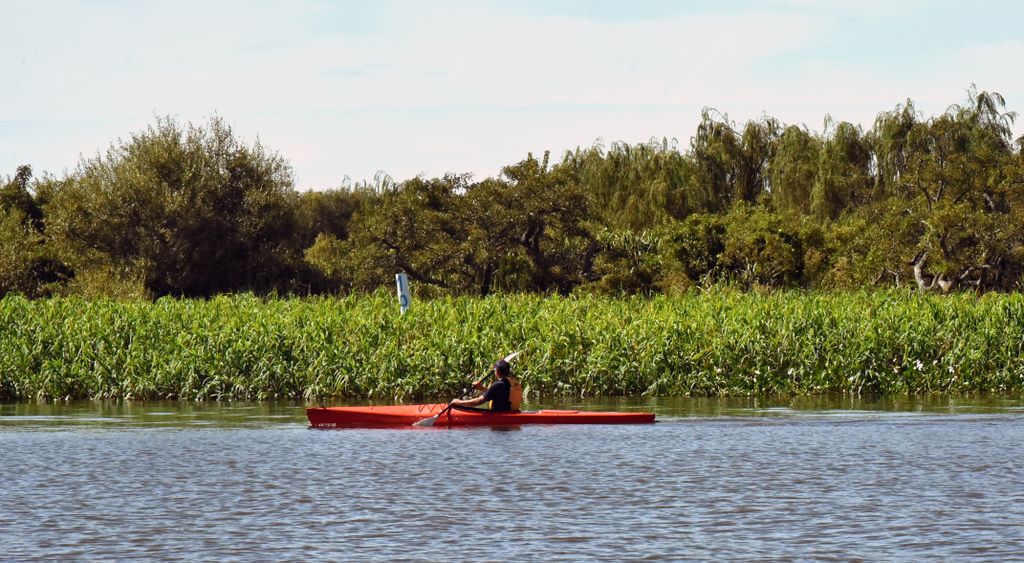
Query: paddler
[{"x": 505, "y": 394}]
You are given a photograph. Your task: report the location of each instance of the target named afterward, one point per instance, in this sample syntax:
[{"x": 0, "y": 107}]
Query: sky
[{"x": 427, "y": 87}]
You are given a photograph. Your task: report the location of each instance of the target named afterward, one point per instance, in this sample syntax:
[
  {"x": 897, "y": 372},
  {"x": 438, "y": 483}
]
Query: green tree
[
  {"x": 329, "y": 212},
  {"x": 27, "y": 265},
  {"x": 692, "y": 248},
  {"x": 549, "y": 210},
  {"x": 188, "y": 210},
  {"x": 872, "y": 245},
  {"x": 757, "y": 149},
  {"x": 889, "y": 139},
  {"x": 16, "y": 195},
  {"x": 628, "y": 263},
  {"x": 794, "y": 170},
  {"x": 20, "y": 248},
  {"x": 760, "y": 249},
  {"x": 715, "y": 149},
  {"x": 960, "y": 186},
  {"x": 636, "y": 187},
  {"x": 844, "y": 174},
  {"x": 732, "y": 166},
  {"x": 524, "y": 231},
  {"x": 412, "y": 229}
]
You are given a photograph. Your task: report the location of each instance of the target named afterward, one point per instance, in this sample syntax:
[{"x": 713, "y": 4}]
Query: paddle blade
[
  {"x": 426, "y": 422},
  {"x": 430, "y": 421}
]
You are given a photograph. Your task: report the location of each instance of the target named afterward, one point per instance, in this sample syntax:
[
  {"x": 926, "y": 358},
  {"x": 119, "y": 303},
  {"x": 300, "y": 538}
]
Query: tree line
[{"x": 933, "y": 203}]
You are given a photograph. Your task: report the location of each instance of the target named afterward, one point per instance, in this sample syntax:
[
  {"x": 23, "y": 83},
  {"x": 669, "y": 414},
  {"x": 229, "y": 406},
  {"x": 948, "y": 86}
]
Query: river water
[{"x": 713, "y": 479}]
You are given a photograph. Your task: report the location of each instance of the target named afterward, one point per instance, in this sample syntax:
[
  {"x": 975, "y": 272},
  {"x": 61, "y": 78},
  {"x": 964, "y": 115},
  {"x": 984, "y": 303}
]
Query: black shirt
[{"x": 498, "y": 394}]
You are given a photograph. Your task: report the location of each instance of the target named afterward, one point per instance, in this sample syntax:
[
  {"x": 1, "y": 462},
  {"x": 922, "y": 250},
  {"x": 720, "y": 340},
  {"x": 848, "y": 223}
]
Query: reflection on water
[
  {"x": 807, "y": 478},
  {"x": 129, "y": 414},
  {"x": 138, "y": 415}
]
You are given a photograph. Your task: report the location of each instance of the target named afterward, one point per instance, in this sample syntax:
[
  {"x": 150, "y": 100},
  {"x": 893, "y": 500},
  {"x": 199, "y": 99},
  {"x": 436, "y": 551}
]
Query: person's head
[{"x": 501, "y": 368}]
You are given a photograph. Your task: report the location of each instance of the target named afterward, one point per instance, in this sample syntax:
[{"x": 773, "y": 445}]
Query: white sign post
[{"x": 404, "y": 299}]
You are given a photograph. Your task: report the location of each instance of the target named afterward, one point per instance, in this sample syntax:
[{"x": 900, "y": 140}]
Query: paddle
[{"x": 428, "y": 422}]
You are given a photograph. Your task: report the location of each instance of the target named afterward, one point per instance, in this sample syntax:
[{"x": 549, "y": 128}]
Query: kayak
[{"x": 408, "y": 415}]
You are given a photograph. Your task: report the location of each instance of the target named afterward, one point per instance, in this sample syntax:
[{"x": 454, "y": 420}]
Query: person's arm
[
  {"x": 469, "y": 402},
  {"x": 478, "y": 400}
]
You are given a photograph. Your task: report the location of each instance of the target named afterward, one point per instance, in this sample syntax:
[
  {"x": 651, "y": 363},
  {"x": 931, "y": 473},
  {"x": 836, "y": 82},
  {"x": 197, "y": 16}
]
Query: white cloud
[
  {"x": 173, "y": 61},
  {"x": 444, "y": 86}
]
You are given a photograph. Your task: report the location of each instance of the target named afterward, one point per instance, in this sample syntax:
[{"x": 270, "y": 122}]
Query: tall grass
[{"x": 717, "y": 343}]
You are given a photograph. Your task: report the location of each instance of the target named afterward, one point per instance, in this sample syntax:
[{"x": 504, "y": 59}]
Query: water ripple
[{"x": 819, "y": 486}]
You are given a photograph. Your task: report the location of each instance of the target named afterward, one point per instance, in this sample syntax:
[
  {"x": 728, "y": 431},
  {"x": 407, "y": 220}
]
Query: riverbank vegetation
[
  {"x": 935, "y": 203},
  {"x": 761, "y": 258},
  {"x": 716, "y": 343}
]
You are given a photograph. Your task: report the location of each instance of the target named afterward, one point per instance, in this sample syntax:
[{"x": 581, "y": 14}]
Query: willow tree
[
  {"x": 794, "y": 170},
  {"x": 715, "y": 149},
  {"x": 638, "y": 186},
  {"x": 758, "y": 144},
  {"x": 730, "y": 165},
  {"x": 844, "y": 170},
  {"x": 889, "y": 140}
]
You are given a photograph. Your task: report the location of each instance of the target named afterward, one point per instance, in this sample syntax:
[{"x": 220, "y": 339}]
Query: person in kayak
[{"x": 505, "y": 394}]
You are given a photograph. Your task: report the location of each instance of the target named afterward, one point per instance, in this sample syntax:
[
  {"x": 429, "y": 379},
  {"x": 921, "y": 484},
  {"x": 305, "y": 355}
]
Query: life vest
[{"x": 515, "y": 394}]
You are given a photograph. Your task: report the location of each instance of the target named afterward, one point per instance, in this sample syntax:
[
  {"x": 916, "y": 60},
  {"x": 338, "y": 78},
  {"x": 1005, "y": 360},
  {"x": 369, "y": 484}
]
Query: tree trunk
[
  {"x": 919, "y": 274},
  {"x": 488, "y": 279}
]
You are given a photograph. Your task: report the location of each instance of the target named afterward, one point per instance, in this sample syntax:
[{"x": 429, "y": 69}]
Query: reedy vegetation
[{"x": 721, "y": 342}]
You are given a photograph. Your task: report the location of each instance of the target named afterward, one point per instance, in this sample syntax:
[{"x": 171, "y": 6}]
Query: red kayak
[{"x": 409, "y": 415}]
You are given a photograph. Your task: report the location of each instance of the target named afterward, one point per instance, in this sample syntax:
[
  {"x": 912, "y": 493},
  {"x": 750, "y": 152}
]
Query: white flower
[{"x": 918, "y": 365}]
